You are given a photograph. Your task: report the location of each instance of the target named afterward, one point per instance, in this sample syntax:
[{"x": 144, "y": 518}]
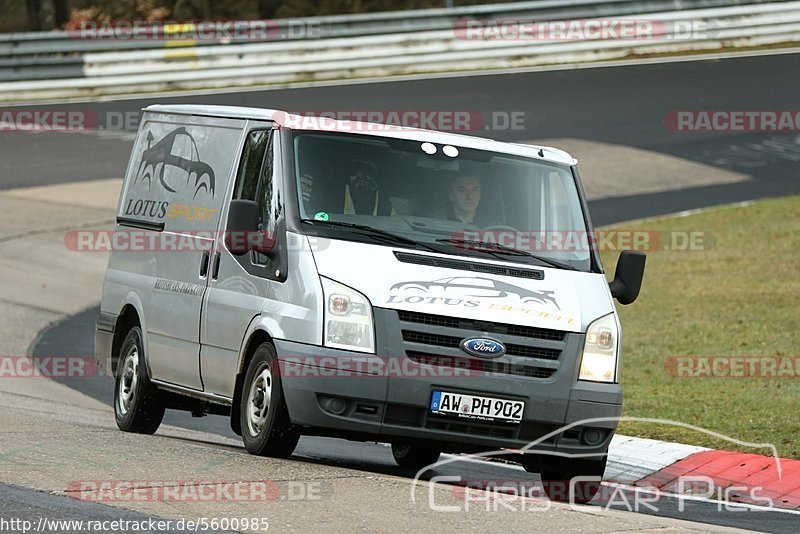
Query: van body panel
[
  {"x": 127, "y": 283},
  {"x": 310, "y": 388},
  {"x": 178, "y": 177},
  {"x": 230, "y": 302},
  {"x": 563, "y": 300},
  {"x": 294, "y": 309},
  {"x": 200, "y": 305}
]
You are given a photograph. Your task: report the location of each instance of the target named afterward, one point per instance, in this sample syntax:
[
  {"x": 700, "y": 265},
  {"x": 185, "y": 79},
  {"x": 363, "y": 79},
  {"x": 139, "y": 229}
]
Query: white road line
[{"x": 684, "y": 213}]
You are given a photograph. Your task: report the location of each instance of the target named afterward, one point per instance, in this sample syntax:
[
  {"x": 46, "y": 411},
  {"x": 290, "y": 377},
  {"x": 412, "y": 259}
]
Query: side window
[
  {"x": 250, "y": 166},
  {"x": 254, "y": 182},
  {"x": 560, "y": 202}
]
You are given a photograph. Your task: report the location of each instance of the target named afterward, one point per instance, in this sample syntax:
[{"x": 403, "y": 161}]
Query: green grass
[{"x": 739, "y": 297}]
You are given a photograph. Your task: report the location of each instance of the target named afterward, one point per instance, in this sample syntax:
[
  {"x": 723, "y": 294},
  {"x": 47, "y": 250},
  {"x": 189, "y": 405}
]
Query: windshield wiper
[
  {"x": 497, "y": 248},
  {"x": 377, "y": 233}
]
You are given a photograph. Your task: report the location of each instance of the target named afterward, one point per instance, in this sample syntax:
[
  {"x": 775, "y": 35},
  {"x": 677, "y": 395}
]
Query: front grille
[
  {"x": 480, "y": 366},
  {"x": 439, "y": 340},
  {"x": 481, "y": 326},
  {"x": 435, "y": 340},
  {"x": 425, "y": 338},
  {"x": 533, "y": 352}
]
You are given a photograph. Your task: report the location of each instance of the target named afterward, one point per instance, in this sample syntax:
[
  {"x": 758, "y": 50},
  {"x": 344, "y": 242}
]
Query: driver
[{"x": 464, "y": 193}]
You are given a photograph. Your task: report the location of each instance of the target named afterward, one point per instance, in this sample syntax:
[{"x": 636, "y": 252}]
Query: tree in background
[
  {"x": 58, "y": 14},
  {"x": 34, "y": 14},
  {"x": 308, "y": 8}
]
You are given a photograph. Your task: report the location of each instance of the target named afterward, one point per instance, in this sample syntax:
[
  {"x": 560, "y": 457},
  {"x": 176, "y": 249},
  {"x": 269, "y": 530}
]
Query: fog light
[
  {"x": 592, "y": 436},
  {"x": 335, "y": 405}
]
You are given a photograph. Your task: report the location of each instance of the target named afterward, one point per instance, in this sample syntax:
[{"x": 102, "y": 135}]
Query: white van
[{"x": 430, "y": 290}]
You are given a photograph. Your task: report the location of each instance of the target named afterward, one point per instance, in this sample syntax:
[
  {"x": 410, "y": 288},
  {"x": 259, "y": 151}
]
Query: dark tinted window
[{"x": 254, "y": 181}]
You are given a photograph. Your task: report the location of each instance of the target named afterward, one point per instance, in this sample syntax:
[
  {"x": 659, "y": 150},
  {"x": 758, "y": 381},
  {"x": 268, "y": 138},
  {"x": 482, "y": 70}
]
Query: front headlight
[
  {"x": 600, "y": 351},
  {"x": 348, "y": 318}
]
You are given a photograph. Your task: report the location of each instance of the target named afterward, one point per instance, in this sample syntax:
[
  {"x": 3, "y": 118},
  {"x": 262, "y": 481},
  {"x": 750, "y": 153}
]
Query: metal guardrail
[
  {"x": 60, "y": 64},
  {"x": 332, "y": 26}
]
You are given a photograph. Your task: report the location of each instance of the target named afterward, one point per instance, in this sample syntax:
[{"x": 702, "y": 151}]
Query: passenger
[{"x": 361, "y": 194}]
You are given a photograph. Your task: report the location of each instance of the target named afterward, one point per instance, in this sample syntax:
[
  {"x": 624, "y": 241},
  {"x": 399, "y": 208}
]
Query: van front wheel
[
  {"x": 138, "y": 406},
  {"x": 558, "y": 473},
  {"x": 266, "y": 428},
  {"x": 414, "y": 456}
]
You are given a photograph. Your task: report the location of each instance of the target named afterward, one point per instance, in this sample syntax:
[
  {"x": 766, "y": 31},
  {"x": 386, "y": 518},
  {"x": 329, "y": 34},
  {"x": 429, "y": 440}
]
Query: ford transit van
[{"x": 435, "y": 291}]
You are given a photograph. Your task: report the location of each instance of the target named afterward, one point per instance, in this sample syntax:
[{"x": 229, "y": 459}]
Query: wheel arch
[
  {"x": 129, "y": 317},
  {"x": 255, "y": 336}
]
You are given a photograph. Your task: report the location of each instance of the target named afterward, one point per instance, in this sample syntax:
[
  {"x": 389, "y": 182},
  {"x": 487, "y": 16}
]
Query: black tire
[
  {"x": 414, "y": 456},
  {"x": 271, "y": 433},
  {"x": 138, "y": 406},
  {"x": 557, "y": 472}
]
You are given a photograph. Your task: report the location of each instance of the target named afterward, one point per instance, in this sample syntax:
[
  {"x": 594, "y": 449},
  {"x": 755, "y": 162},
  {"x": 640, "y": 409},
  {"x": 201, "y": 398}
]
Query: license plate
[{"x": 487, "y": 409}]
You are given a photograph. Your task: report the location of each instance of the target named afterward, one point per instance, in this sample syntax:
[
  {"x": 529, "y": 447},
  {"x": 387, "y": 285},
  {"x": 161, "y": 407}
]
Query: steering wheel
[{"x": 500, "y": 227}]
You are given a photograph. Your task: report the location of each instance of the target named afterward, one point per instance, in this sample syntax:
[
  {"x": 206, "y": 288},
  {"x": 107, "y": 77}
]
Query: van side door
[
  {"x": 239, "y": 285},
  {"x": 186, "y": 167}
]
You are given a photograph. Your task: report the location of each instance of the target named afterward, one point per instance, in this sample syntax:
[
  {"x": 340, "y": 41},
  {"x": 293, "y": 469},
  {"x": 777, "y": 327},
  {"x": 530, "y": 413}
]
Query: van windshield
[{"x": 442, "y": 198}]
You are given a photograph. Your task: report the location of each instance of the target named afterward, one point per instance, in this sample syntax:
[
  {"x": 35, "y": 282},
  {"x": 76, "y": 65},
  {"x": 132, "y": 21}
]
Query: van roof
[{"x": 468, "y": 141}]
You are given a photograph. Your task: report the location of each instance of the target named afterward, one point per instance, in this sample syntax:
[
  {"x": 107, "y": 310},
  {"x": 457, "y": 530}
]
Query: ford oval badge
[{"x": 483, "y": 347}]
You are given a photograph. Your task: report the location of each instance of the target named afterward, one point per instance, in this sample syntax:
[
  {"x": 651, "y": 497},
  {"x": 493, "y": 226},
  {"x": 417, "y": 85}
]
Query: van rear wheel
[
  {"x": 414, "y": 456},
  {"x": 138, "y": 406},
  {"x": 266, "y": 428}
]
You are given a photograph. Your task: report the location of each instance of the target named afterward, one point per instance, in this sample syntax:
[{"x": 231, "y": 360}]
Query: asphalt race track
[
  {"x": 620, "y": 105},
  {"x": 76, "y": 336},
  {"x": 624, "y": 105}
]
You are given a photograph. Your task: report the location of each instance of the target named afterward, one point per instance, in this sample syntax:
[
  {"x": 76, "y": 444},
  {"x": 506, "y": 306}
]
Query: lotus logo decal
[
  {"x": 483, "y": 347},
  {"x": 178, "y": 151},
  {"x": 467, "y": 291}
]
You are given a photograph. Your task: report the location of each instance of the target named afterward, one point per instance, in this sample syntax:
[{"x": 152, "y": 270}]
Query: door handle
[
  {"x": 215, "y": 268},
  {"x": 204, "y": 264}
]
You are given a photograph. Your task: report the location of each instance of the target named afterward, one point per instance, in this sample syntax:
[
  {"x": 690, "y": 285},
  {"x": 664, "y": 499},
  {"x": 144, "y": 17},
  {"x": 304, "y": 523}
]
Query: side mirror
[
  {"x": 628, "y": 276},
  {"x": 243, "y": 234}
]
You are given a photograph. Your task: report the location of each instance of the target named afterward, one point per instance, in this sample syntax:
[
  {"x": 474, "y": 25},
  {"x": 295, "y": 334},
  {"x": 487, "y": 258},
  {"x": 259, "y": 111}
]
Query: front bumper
[{"x": 347, "y": 392}]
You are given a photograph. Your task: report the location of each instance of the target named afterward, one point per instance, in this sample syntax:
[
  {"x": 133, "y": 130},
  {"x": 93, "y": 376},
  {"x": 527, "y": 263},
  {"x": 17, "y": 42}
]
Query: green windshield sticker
[{"x": 321, "y": 216}]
